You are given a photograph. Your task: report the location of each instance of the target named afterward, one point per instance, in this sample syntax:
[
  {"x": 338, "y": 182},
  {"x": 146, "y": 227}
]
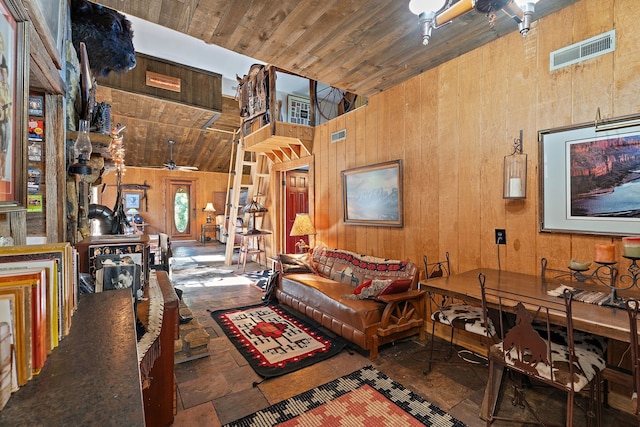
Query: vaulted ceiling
[{"x": 363, "y": 46}]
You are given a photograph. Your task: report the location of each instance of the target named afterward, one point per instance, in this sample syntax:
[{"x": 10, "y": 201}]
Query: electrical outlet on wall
[{"x": 501, "y": 236}]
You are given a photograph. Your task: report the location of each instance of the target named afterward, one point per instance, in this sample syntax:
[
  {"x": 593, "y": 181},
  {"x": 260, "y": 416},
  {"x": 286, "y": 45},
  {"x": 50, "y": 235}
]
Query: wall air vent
[
  {"x": 339, "y": 136},
  {"x": 581, "y": 51}
]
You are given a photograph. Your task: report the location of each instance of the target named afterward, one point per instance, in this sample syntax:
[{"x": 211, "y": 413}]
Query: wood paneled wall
[
  {"x": 206, "y": 184},
  {"x": 453, "y": 125}
]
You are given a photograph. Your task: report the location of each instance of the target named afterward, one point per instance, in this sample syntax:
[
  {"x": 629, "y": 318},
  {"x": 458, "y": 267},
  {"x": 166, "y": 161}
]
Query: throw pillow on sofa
[
  {"x": 292, "y": 263},
  {"x": 377, "y": 287}
]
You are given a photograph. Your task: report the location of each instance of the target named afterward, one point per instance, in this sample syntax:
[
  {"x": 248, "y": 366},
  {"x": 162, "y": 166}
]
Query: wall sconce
[
  {"x": 426, "y": 11},
  {"x": 515, "y": 172},
  {"x": 302, "y": 226},
  {"x": 210, "y": 210},
  {"x": 527, "y": 7}
]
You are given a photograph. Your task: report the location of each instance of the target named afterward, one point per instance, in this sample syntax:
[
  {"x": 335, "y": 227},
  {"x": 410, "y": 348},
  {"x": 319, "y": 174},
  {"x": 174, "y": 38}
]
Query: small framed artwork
[
  {"x": 118, "y": 271},
  {"x": 35, "y": 151},
  {"x": 590, "y": 178},
  {"x": 131, "y": 200},
  {"x": 36, "y": 106},
  {"x": 34, "y": 203},
  {"x": 36, "y": 130},
  {"x": 299, "y": 110},
  {"x": 372, "y": 195}
]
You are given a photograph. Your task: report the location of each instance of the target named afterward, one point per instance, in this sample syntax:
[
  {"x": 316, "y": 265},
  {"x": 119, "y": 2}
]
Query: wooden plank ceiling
[
  {"x": 152, "y": 122},
  {"x": 363, "y": 46}
]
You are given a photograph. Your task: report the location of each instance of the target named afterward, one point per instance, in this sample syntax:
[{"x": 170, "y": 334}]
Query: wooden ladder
[{"x": 257, "y": 189}]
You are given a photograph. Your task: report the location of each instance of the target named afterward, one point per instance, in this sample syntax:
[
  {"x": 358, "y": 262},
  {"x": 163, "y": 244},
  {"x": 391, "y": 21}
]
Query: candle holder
[
  {"x": 634, "y": 273},
  {"x": 605, "y": 274}
]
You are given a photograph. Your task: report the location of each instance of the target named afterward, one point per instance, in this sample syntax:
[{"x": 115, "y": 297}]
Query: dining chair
[
  {"x": 632, "y": 306},
  {"x": 451, "y": 313},
  {"x": 533, "y": 345}
]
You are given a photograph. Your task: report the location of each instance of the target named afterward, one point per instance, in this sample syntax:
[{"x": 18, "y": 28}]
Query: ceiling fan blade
[{"x": 188, "y": 168}]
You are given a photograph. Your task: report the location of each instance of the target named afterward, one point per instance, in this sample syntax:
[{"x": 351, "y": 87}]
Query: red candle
[{"x": 605, "y": 253}]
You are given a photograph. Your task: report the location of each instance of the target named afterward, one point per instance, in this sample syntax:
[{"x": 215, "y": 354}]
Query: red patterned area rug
[
  {"x": 273, "y": 341},
  {"x": 366, "y": 397}
]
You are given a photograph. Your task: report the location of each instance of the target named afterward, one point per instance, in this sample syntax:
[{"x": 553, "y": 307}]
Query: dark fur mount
[{"x": 107, "y": 35}]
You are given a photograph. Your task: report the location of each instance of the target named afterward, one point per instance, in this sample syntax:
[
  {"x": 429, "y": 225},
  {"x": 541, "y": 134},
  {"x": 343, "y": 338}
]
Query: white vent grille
[
  {"x": 581, "y": 51},
  {"x": 339, "y": 135}
]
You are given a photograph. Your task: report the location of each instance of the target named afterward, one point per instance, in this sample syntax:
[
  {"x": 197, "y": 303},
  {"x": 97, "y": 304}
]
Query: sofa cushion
[
  {"x": 359, "y": 289},
  {"x": 302, "y": 263},
  {"x": 377, "y": 287}
]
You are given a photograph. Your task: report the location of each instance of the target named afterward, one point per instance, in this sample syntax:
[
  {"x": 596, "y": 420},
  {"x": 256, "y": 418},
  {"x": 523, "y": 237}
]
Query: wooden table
[
  {"x": 252, "y": 244},
  {"x": 208, "y": 227},
  {"x": 607, "y": 322}
]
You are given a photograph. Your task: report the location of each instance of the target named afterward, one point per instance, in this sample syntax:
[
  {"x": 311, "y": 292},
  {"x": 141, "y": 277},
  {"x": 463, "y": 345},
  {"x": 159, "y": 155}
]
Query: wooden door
[
  {"x": 180, "y": 211},
  {"x": 297, "y": 201}
]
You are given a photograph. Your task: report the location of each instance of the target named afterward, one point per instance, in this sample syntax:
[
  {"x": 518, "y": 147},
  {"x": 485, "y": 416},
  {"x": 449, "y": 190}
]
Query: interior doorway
[
  {"x": 285, "y": 209},
  {"x": 297, "y": 201},
  {"x": 180, "y": 211}
]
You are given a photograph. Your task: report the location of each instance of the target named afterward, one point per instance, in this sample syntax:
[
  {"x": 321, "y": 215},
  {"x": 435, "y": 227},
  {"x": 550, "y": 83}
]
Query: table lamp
[
  {"x": 131, "y": 213},
  {"x": 209, "y": 209},
  {"x": 302, "y": 226},
  {"x": 253, "y": 208}
]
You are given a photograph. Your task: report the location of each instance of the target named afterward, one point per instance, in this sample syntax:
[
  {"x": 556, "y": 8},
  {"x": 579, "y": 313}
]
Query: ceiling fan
[{"x": 171, "y": 165}]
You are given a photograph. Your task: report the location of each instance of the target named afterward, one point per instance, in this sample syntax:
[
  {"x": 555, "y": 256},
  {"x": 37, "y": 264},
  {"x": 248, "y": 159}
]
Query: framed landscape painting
[
  {"x": 372, "y": 195},
  {"x": 590, "y": 179}
]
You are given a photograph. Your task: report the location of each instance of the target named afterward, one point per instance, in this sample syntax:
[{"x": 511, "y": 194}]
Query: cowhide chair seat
[
  {"x": 454, "y": 314},
  {"x": 463, "y": 316},
  {"x": 533, "y": 346},
  {"x": 587, "y": 364}
]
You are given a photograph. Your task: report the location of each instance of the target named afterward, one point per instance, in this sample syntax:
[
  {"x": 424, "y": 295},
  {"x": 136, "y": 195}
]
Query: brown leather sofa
[{"x": 322, "y": 287}]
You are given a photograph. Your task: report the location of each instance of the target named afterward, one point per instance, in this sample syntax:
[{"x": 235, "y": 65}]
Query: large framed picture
[
  {"x": 590, "y": 178},
  {"x": 372, "y": 195},
  {"x": 13, "y": 99},
  {"x": 50, "y": 19}
]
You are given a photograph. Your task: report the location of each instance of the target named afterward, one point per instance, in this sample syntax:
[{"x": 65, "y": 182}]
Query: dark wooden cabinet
[{"x": 92, "y": 377}]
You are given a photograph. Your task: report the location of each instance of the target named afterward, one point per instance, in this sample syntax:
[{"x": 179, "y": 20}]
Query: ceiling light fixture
[
  {"x": 426, "y": 12},
  {"x": 528, "y": 8}
]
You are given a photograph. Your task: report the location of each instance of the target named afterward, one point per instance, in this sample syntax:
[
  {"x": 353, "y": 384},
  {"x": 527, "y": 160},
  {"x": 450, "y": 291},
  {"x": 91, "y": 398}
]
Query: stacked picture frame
[{"x": 38, "y": 296}]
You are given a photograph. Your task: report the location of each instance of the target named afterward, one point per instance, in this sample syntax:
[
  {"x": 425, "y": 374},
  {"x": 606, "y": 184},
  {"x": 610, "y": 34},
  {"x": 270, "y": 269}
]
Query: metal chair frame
[
  {"x": 440, "y": 302},
  {"x": 533, "y": 350},
  {"x": 633, "y": 306}
]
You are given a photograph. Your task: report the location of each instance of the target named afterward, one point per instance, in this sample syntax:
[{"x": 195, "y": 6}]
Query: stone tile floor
[{"x": 221, "y": 388}]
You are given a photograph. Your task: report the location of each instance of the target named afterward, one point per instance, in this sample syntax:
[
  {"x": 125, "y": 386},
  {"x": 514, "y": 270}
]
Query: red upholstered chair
[
  {"x": 534, "y": 346},
  {"x": 454, "y": 314}
]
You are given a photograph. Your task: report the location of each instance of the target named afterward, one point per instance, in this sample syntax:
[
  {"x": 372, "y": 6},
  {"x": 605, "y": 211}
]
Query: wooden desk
[
  {"x": 607, "y": 322},
  {"x": 603, "y": 321}
]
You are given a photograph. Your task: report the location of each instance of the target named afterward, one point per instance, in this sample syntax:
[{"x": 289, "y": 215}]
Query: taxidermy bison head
[{"x": 107, "y": 35}]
